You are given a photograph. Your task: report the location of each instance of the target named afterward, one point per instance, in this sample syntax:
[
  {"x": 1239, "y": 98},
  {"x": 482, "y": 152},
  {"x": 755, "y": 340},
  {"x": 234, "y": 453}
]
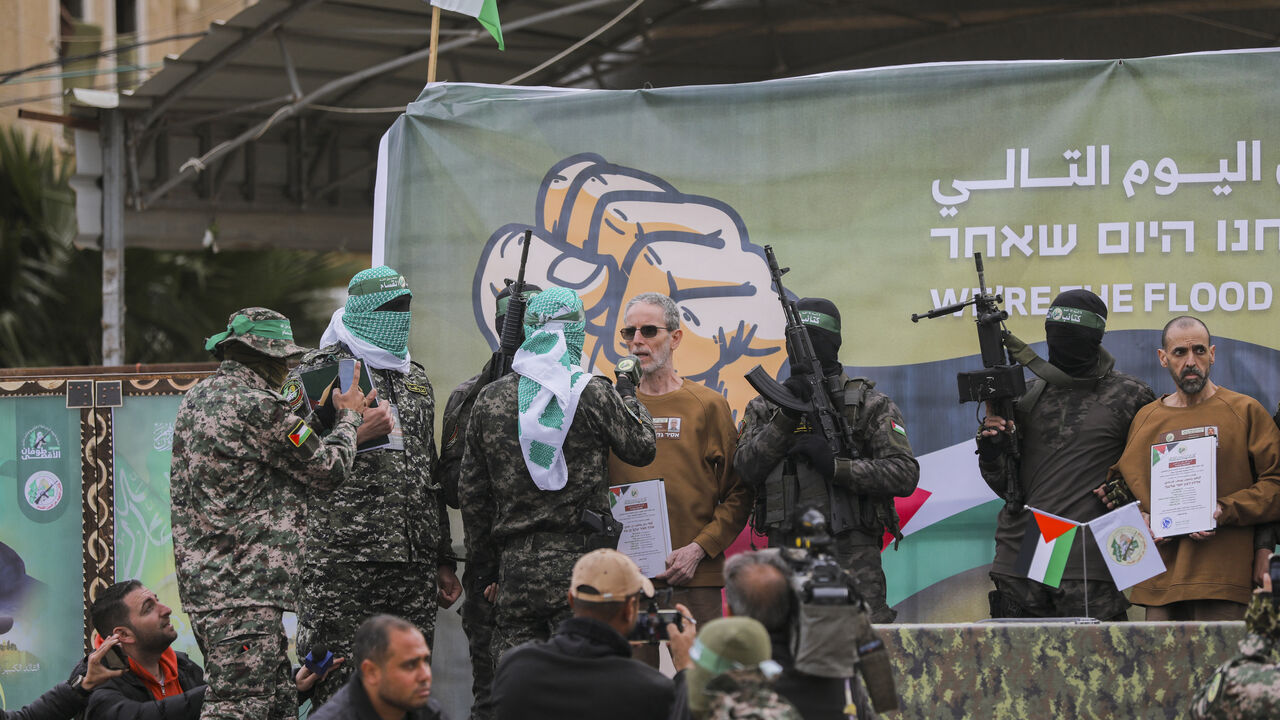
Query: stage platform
[{"x": 1055, "y": 670}]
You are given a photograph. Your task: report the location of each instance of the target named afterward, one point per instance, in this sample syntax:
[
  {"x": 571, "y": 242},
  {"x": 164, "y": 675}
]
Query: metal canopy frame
[{"x": 276, "y": 113}]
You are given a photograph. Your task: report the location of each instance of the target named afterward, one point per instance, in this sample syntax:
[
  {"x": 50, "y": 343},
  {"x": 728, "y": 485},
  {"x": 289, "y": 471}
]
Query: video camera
[{"x": 833, "y": 616}]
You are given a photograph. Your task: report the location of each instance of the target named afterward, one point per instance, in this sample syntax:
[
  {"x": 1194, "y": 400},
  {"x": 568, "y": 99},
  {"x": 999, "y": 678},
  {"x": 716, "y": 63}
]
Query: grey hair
[
  {"x": 670, "y": 313},
  {"x": 752, "y": 595}
]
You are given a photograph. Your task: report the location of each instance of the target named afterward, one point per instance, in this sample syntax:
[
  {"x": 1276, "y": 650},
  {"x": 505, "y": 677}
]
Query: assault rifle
[
  {"x": 513, "y": 321},
  {"x": 1001, "y": 381},
  {"x": 804, "y": 363}
]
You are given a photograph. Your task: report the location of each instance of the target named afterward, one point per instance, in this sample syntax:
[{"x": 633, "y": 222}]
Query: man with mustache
[{"x": 1209, "y": 573}]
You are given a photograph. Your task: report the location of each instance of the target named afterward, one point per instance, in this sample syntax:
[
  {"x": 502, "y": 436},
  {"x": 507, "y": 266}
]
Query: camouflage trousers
[
  {"x": 246, "y": 664},
  {"x": 533, "y": 587},
  {"x": 1024, "y": 597},
  {"x": 862, "y": 561},
  {"x": 477, "y": 623},
  {"x": 337, "y": 597}
]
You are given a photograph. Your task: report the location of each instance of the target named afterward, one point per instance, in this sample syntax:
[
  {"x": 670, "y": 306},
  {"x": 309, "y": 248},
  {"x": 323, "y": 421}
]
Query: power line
[{"x": 8, "y": 75}]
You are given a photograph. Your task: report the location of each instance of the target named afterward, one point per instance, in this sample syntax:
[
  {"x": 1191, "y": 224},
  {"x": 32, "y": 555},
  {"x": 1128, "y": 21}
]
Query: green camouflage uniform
[
  {"x": 745, "y": 695},
  {"x": 885, "y": 469},
  {"x": 1246, "y": 687},
  {"x": 241, "y": 464},
  {"x": 1069, "y": 437},
  {"x": 477, "y": 613},
  {"x": 374, "y": 544},
  {"x": 533, "y": 536}
]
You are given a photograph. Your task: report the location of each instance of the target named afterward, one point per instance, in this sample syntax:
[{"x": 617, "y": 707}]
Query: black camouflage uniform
[
  {"x": 374, "y": 544},
  {"x": 1070, "y": 431},
  {"x": 790, "y": 464},
  {"x": 534, "y": 537},
  {"x": 1069, "y": 438},
  {"x": 866, "y": 486}
]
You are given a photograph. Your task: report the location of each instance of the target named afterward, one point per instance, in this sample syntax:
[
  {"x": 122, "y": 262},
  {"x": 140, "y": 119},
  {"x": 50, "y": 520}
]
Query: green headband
[
  {"x": 504, "y": 301},
  {"x": 1076, "y": 316},
  {"x": 242, "y": 325},
  {"x": 371, "y": 285},
  {"x": 820, "y": 320},
  {"x": 567, "y": 314},
  {"x": 709, "y": 660}
]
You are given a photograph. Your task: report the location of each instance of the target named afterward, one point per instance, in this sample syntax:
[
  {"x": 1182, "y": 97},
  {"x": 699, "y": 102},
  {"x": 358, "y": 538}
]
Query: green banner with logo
[
  {"x": 144, "y": 538},
  {"x": 40, "y": 547},
  {"x": 1152, "y": 182}
]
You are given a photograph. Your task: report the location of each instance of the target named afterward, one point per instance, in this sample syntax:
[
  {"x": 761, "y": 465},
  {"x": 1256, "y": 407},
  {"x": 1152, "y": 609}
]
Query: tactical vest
[{"x": 792, "y": 485}]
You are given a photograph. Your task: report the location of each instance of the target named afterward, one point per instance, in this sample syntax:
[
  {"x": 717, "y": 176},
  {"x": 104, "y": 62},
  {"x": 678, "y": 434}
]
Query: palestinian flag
[{"x": 1044, "y": 551}]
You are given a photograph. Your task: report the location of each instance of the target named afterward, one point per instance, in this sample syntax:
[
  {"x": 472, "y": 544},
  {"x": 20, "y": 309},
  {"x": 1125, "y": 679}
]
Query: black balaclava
[
  {"x": 1073, "y": 328},
  {"x": 822, "y": 320}
]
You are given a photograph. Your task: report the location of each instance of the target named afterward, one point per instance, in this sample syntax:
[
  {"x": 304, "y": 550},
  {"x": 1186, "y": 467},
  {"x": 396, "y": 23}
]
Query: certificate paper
[
  {"x": 646, "y": 535},
  {"x": 1184, "y": 486}
]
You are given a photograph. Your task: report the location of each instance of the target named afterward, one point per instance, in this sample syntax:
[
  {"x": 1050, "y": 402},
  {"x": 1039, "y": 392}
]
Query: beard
[{"x": 1192, "y": 382}]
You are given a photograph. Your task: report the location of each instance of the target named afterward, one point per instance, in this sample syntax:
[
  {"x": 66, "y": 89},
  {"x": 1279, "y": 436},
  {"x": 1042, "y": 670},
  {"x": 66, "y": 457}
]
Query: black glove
[
  {"x": 801, "y": 388},
  {"x": 628, "y": 373},
  {"x": 814, "y": 448}
]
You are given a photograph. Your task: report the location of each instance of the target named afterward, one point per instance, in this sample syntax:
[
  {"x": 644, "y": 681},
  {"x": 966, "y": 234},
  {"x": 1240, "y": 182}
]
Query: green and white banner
[
  {"x": 40, "y": 547},
  {"x": 1153, "y": 182}
]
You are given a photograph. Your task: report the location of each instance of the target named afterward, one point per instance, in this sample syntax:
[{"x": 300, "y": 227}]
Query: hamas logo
[
  {"x": 1055, "y": 314},
  {"x": 1126, "y": 545},
  {"x": 292, "y": 393},
  {"x": 43, "y": 491},
  {"x": 40, "y": 443}
]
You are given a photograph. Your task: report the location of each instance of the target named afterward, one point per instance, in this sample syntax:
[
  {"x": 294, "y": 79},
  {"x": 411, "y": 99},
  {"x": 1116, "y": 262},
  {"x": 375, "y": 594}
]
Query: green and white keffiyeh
[
  {"x": 369, "y": 290},
  {"x": 379, "y": 337},
  {"x": 551, "y": 382}
]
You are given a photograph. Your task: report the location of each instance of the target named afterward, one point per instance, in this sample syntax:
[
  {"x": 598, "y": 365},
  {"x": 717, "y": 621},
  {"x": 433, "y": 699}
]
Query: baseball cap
[
  {"x": 607, "y": 576},
  {"x": 724, "y": 644}
]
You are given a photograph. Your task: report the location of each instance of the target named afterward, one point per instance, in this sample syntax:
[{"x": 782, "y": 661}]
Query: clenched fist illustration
[{"x": 610, "y": 233}]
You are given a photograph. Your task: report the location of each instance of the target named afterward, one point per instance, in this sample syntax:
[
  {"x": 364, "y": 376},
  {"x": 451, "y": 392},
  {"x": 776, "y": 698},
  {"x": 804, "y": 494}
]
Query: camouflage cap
[
  {"x": 265, "y": 331},
  {"x": 725, "y": 644}
]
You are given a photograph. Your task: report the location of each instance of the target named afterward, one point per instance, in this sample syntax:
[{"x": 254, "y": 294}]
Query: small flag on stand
[
  {"x": 486, "y": 11},
  {"x": 1045, "y": 547},
  {"x": 1127, "y": 546}
]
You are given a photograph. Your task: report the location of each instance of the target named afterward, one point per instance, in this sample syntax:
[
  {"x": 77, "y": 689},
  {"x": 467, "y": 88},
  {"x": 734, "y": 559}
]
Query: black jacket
[
  {"x": 60, "y": 703},
  {"x": 127, "y": 698},
  {"x": 584, "y": 671},
  {"x": 352, "y": 703}
]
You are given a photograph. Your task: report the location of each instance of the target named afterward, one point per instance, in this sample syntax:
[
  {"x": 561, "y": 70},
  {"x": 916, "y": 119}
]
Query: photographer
[
  {"x": 758, "y": 585},
  {"x": 586, "y": 669},
  {"x": 1248, "y": 685},
  {"x": 67, "y": 699}
]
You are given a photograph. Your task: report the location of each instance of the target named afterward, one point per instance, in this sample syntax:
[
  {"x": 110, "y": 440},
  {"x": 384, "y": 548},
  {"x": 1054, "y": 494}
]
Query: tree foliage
[{"x": 51, "y": 292}]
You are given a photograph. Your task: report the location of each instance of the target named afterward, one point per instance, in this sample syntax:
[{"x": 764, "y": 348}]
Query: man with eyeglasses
[
  {"x": 707, "y": 504},
  {"x": 534, "y": 483}
]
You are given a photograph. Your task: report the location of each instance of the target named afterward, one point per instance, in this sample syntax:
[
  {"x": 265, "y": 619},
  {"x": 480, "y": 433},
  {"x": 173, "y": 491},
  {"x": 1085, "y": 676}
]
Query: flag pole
[
  {"x": 1084, "y": 555},
  {"x": 435, "y": 41}
]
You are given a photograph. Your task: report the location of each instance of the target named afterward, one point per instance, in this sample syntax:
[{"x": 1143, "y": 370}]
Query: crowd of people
[{"x": 334, "y": 504}]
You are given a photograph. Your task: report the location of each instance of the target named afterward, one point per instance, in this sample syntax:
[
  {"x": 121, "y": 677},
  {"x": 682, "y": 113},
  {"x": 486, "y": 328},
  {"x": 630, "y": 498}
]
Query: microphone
[{"x": 319, "y": 660}]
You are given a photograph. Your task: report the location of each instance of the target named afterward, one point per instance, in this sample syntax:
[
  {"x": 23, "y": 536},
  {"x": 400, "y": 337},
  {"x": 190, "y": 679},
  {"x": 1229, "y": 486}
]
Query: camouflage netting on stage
[{"x": 1008, "y": 670}]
